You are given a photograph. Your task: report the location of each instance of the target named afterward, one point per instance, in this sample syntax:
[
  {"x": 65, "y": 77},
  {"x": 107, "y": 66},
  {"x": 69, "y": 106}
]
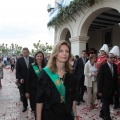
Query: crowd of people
[
  {"x": 4, "y": 61},
  {"x": 56, "y": 85},
  {"x": 99, "y": 74}
]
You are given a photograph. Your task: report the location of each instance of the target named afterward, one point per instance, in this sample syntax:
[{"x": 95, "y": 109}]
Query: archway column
[{"x": 78, "y": 44}]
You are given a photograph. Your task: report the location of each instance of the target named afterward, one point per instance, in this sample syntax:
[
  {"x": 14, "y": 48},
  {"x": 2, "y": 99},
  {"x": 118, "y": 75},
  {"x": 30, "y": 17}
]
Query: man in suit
[
  {"x": 79, "y": 72},
  {"x": 21, "y": 74},
  {"x": 107, "y": 85},
  {"x": 116, "y": 51}
]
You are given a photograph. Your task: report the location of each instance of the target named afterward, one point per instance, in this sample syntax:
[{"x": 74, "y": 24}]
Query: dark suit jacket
[
  {"x": 107, "y": 84},
  {"x": 21, "y": 69},
  {"x": 79, "y": 68}
]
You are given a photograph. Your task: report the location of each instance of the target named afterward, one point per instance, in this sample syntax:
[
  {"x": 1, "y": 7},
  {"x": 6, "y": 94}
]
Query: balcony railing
[
  {"x": 55, "y": 11},
  {"x": 65, "y": 9}
]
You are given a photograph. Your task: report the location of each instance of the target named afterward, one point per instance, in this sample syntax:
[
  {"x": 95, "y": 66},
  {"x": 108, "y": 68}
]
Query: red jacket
[
  {"x": 101, "y": 60},
  {"x": 117, "y": 62}
]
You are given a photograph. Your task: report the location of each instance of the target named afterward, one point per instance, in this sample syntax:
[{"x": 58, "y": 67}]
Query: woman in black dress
[
  {"x": 33, "y": 75},
  {"x": 56, "y": 87}
]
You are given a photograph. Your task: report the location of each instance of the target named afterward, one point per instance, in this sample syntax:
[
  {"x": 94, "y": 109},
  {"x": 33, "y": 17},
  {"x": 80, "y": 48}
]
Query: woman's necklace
[{"x": 62, "y": 79}]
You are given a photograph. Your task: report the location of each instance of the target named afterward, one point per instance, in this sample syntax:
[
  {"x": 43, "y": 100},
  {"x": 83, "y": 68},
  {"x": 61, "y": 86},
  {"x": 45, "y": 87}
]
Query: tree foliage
[
  {"x": 45, "y": 48},
  {"x": 13, "y": 49}
]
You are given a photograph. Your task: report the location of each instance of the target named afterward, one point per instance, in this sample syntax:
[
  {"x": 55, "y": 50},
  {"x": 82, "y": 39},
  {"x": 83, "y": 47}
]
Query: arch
[
  {"x": 65, "y": 31},
  {"x": 93, "y": 12},
  {"x": 65, "y": 35}
]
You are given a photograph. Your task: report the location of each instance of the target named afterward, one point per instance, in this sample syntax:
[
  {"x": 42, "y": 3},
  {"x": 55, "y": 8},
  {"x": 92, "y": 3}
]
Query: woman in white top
[
  {"x": 1, "y": 71},
  {"x": 90, "y": 72}
]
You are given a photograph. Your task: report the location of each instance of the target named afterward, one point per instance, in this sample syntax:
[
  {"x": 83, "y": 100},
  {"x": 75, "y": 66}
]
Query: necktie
[
  {"x": 111, "y": 68},
  {"x": 84, "y": 60},
  {"x": 27, "y": 61}
]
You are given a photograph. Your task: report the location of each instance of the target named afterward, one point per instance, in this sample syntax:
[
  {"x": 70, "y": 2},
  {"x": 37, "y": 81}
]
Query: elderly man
[{"x": 107, "y": 85}]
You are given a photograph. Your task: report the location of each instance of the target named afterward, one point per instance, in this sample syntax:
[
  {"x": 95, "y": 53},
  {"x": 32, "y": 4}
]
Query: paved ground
[{"x": 11, "y": 106}]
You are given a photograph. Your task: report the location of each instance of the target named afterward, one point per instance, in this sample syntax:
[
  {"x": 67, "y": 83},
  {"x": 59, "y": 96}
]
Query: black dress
[
  {"x": 48, "y": 94},
  {"x": 31, "y": 86}
]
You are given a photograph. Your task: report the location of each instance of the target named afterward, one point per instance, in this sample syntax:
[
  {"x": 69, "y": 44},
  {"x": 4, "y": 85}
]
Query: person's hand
[
  {"x": 16, "y": 82},
  {"x": 27, "y": 95},
  {"x": 100, "y": 94},
  {"x": 94, "y": 74},
  {"x": 21, "y": 81}
]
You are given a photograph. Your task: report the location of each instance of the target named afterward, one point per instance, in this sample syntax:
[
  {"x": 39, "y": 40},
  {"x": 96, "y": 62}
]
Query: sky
[{"x": 24, "y": 22}]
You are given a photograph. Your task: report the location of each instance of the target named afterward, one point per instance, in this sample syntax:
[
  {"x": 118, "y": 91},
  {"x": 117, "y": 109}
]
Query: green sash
[
  {"x": 58, "y": 83},
  {"x": 36, "y": 69}
]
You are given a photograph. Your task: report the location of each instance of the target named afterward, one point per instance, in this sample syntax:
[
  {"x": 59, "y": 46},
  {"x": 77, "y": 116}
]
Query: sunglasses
[{"x": 112, "y": 57}]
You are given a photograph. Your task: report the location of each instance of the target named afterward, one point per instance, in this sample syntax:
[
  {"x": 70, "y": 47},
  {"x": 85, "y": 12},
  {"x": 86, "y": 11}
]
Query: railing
[{"x": 55, "y": 11}]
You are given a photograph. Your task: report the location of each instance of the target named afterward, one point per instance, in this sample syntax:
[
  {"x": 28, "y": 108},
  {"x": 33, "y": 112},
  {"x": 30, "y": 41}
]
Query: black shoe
[
  {"x": 24, "y": 109},
  {"x": 32, "y": 110},
  {"x": 83, "y": 101},
  {"x": 102, "y": 116},
  {"x": 77, "y": 103},
  {"x": 116, "y": 106},
  {"x": 107, "y": 118}
]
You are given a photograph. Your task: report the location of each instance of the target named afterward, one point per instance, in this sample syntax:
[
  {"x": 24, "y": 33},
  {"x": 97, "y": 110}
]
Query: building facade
[{"x": 92, "y": 25}]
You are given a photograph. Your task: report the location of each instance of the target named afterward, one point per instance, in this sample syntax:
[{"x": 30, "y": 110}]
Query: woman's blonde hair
[{"x": 52, "y": 61}]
